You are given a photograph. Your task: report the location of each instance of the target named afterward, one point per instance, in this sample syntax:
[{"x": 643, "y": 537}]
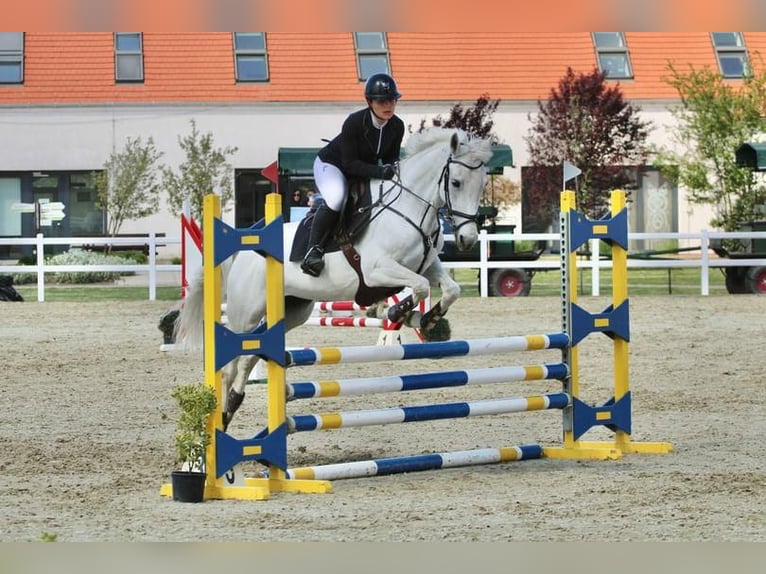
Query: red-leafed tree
[
  {"x": 590, "y": 125},
  {"x": 476, "y": 120}
]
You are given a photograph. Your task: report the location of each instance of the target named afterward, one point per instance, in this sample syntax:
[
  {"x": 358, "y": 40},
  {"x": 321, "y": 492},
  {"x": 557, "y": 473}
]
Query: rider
[{"x": 367, "y": 147}]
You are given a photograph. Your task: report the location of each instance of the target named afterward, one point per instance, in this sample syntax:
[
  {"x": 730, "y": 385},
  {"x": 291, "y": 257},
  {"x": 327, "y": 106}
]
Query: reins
[{"x": 429, "y": 239}]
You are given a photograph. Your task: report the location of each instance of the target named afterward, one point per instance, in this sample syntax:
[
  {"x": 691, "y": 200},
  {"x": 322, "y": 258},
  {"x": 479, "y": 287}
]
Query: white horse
[{"x": 399, "y": 247}]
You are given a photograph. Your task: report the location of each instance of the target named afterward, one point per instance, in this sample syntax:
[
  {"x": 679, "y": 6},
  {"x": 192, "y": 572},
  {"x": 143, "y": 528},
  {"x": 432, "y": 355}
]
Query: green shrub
[{"x": 138, "y": 257}]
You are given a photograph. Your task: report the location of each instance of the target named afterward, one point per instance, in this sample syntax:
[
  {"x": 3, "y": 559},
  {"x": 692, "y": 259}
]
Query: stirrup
[{"x": 313, "y": 262}]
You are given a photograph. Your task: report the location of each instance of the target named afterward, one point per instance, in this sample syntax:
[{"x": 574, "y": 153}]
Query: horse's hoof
[{"x": 439, "y": 331}]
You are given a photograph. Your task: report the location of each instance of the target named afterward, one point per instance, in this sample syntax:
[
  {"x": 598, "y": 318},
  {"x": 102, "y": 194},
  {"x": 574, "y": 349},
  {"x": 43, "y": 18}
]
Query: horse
[{"x": 442, "y": 169}]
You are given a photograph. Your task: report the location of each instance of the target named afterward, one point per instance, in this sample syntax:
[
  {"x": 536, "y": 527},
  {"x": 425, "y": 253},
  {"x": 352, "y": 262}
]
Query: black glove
[{"x": 387, "y": 171}]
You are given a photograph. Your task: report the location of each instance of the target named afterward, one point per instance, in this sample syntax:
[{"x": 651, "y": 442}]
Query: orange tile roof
[{"x": 78, "y": 68}]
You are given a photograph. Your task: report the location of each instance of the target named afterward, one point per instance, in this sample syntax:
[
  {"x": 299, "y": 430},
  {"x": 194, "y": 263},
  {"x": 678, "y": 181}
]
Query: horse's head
[
  {"x": 462, "y": 181},
  {"x": 458, "y": 162}
]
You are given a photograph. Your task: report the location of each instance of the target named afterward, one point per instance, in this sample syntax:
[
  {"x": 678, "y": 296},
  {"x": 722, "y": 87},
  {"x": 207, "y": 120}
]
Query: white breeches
[{"x": 331, "y": 183}]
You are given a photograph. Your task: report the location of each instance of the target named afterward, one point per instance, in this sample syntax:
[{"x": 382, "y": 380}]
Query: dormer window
[
  {"x": 612, "y": 55},
  {"x": 731, "y": 53}
]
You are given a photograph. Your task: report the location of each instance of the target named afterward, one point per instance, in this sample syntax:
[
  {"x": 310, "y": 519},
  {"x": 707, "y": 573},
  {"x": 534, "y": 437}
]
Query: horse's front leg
[
  {"x": 389, "y": 273},
  {"x": 438, "y": 277}
]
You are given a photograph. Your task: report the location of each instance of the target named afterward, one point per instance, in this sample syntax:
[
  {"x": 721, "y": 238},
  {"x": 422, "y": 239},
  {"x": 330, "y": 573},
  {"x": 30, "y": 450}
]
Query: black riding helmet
[{"x": 381, "y": 87}]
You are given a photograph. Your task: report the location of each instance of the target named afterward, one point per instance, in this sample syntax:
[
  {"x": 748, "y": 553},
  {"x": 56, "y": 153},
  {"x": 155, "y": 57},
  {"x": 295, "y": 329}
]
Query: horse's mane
[{"x": 419, "y": 141}]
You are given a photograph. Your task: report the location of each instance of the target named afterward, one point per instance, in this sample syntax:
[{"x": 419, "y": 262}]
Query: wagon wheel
[
  {"x": 736, "y": 282},
  {"x": 756, "y": 280},
  {"x": 509, "y": 283}
]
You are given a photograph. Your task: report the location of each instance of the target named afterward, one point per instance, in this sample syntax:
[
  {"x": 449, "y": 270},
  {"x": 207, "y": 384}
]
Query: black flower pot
[{"x": 188, "y": 486}]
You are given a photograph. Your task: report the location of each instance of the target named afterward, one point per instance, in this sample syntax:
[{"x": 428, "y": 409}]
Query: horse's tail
[
  {"x": 225, "y": 267},
  {"x": 188, "y": 326}
]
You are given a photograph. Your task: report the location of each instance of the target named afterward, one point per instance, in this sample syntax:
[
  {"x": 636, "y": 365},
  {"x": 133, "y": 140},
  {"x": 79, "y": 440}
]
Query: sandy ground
[{"x": 87, "y": 434}]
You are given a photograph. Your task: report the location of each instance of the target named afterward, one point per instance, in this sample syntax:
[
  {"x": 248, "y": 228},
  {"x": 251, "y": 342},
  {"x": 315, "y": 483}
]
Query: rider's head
[{"x": 381, "y": 94}]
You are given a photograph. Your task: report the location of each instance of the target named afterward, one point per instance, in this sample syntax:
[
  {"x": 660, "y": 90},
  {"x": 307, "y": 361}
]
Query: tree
[
  {"x": 128, "y": 187},
  {"x": 205, "y": 170},
  {"x": 714, "y": 118},
  {"x": 589, "y": 124},
  {"x": 476, "y": 120}
]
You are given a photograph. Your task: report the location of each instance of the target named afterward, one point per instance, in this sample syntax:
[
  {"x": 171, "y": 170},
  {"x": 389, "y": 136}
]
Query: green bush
[
  {"x": 138, "y": 257},
  {"x": 78, "y": 257}
]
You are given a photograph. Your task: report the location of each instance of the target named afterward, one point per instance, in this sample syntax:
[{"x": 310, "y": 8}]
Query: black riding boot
[{"x": 321, "y": 228}]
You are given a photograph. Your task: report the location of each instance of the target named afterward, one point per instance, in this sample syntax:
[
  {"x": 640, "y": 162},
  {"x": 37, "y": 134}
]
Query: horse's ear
[{"x": 454, "y": 142}]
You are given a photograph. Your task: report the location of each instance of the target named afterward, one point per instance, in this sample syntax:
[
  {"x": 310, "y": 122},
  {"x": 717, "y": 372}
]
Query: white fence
[{"x": 152, "y": 268}]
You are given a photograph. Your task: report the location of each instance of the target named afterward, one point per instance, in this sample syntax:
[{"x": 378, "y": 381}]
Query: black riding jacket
[{"x": 355, "y": 149}]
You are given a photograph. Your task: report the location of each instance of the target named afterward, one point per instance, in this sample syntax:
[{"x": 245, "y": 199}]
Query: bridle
[
  {"x": 451, "y": 213},
  {"x": 429, "y": 240}
]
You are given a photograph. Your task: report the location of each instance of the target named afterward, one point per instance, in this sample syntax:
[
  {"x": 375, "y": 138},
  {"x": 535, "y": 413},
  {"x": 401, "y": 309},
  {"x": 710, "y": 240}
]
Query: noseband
[{"x": 451, "y": 213}]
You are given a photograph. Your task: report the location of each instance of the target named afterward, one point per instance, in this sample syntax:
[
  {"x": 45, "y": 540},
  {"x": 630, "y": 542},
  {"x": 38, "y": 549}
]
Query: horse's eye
[{"x": 455, "y": 183}]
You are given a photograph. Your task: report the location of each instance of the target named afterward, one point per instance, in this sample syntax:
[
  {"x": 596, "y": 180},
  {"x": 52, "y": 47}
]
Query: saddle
[{"x": 351, "y": 225}]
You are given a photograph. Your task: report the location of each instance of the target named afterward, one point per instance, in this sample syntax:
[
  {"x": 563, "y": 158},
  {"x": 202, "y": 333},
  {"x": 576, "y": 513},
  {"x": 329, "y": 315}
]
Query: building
[{"x": 67, "y": 100}]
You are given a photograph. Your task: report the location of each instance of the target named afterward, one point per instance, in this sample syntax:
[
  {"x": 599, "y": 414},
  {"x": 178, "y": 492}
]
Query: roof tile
[{"x": 69, "y": 68}]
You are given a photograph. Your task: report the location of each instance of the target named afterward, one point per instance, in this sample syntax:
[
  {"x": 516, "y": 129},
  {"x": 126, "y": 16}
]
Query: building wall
[
  {"x": 70, "y": 114},
  {"x": 82, "y": 137}
]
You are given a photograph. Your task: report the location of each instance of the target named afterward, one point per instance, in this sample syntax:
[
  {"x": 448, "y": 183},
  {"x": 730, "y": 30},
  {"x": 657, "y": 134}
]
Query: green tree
[
  {"x": 205, "y": 170},
  {"x": 714, "y": 118},
  {"x": 589, "y": 124},
  {"x": 128, "y": 186}
]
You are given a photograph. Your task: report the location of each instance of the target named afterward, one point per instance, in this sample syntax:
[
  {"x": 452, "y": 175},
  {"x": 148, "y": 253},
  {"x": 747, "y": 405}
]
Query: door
[{"x": 250, "y": 191}]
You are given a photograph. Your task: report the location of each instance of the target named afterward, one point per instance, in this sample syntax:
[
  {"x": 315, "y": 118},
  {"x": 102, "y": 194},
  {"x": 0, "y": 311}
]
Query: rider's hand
[{"x": 387, "y": 171}]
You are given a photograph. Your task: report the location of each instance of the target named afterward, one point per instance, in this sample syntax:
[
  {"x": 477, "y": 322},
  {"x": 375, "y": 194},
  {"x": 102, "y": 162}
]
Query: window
[
  {"x": 11, "y": 57},
  {"x": 371, "y": 54},
  {"x": 10, "y": 193},
  {"x": 731, "y": 53},
  {"x": 251, "y": 61},
  {"x": 85, "y": 218},
  {"x": 612, "y": 54},
  {"x": 128, "y": 57}
]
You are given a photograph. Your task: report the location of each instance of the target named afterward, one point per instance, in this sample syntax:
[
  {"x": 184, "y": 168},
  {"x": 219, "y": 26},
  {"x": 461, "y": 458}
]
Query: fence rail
[{"x": 595, "y": 262}]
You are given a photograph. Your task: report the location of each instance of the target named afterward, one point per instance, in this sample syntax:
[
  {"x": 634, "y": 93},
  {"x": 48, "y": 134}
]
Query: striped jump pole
[
  {"x": 352, "y": 314},
  {"x": 348, "y": 322},
  {"x": 330, "y": 306},
  {"x": 422, "y": 381},
  {"x": 419, "y": 413},
  {"x": 402, "y": 464},
  {"x": 433, "y": 350}
]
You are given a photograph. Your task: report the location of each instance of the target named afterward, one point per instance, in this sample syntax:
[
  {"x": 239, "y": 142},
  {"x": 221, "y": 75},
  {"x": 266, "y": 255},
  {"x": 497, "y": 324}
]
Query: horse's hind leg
[
  {"x": 236, "y": 374},
  {"x": 297, "y": 311}
]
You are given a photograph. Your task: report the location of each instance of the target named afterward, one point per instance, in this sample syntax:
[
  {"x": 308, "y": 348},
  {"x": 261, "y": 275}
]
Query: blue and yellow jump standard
[
  {"x": 614, "y": 414},
  {"x": 269, "y": 446}
]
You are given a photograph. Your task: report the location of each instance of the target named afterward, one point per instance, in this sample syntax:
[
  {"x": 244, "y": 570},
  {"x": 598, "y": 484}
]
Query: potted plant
[{"x": 196, "y": 401}]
